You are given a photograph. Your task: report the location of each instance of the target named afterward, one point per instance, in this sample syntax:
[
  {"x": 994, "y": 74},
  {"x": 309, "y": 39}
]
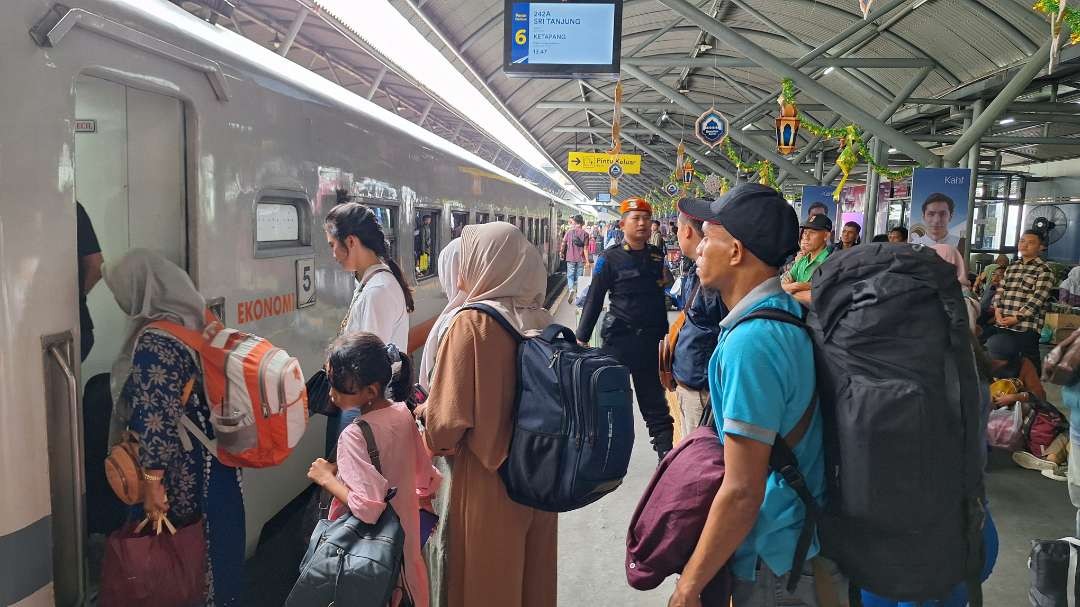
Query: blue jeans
[{"x": 573, "y": 271}]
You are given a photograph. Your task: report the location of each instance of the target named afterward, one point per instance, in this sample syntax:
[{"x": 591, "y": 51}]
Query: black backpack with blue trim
[{"x": 573, "y": 421}]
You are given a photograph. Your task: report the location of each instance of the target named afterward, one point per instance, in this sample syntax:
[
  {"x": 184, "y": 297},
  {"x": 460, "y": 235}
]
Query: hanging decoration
[
  {"x": 680, "y": 154},
  {"x": 1071, "y": 16},
  {"x": 687, "y": 176},
  {"x": 864, "y": 6},
  {"x": 787, "y": 124},
  {"x": 616, "y": 139},
  {"x": 852, "y": 147},
  {"x": 712, "y": 184},
  {"x": 764, "y": 169},
  {"x": 711, "y": 127}
]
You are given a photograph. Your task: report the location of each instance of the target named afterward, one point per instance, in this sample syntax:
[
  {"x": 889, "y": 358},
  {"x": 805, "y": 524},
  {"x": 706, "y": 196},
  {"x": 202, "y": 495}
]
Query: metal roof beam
[
  {"x": 717, "y": 61},
  {"x": 1009, "y": 139},
  {"x": 1007, "y": 95},
  {"x": 692, "y": 107},
  {"x": 659, "y": 106},
  {"x": 808, "y": 84},
  {"x": 858, "y": 79},
  {"x": 294, "y": 29}
]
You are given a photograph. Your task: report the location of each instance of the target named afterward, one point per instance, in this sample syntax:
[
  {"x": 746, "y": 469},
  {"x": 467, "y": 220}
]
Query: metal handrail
[{"x": 60, "y": 353}]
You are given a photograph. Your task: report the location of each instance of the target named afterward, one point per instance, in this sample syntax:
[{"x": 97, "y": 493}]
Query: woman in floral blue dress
[{"x": 149, "y": 378}]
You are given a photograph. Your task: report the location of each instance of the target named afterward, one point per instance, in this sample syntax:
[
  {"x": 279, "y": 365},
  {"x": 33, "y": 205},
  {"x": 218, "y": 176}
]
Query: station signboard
[
  {"x": 570, "y": 39},
  {"x": 600, "y": 162}
]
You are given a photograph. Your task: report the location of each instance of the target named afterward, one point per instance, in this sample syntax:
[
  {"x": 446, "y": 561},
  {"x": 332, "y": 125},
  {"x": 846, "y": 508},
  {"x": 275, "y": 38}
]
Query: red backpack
[{"x": 255, "y": 392}]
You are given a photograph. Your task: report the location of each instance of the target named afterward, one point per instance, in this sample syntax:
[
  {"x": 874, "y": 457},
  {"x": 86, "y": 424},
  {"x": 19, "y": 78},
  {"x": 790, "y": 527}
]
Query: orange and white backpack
[{"x": 255, "y": 392}]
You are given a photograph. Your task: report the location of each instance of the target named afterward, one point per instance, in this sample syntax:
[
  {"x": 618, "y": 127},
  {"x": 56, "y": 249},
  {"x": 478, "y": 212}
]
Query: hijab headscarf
[
  {"x": 449, "y": 264},
  {"x": 501, "y": 269},
  {"x": 952, "y": 255},
  {"x": 148, "y": 288}
]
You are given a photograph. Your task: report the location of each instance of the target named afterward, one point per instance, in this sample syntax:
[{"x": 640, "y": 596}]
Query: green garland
[
  {"x": 1071, "y": 16},
  {"x": 764, "y": 169}
]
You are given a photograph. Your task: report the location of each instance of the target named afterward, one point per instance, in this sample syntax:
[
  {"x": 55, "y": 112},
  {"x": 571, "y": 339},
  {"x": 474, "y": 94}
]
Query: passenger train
[{"x": 181, "y": 136}]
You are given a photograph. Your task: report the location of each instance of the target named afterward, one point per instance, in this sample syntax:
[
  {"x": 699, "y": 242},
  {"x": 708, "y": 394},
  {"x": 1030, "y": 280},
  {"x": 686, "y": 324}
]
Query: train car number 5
[{"x": 305, "y": 282}]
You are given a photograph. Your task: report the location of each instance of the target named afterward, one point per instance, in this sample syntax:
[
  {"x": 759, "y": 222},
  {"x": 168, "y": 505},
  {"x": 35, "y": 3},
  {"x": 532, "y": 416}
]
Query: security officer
[{"x": 633, "y": 273}]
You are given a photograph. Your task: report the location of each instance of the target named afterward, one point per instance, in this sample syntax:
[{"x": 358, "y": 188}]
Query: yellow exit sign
[{"x": 599, "y": 162}]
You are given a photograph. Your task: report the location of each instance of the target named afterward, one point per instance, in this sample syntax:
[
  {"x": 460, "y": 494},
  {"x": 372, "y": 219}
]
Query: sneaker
[
  {"x": 1058, "y": 474},
  {"x": 1028, "y": 460},
  {"x": 570, "y": 296}
]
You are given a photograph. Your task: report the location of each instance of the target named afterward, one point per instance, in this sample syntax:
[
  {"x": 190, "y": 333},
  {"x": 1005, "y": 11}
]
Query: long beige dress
[{"x": 500, "y": 553}]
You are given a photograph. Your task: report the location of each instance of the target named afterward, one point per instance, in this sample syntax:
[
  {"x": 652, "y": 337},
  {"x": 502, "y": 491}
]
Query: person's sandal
[{"x": 1059, "y": 474}]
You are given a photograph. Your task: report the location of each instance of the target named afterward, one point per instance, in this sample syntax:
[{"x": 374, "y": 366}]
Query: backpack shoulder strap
[
  {"x": 782, "y": 458},
  {"x": 372, "y": 446},
  {"x": 486, "y": 309}
]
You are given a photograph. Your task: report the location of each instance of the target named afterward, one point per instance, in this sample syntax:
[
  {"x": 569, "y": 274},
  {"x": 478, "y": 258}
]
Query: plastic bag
[{"x": 1005, "y": 429}]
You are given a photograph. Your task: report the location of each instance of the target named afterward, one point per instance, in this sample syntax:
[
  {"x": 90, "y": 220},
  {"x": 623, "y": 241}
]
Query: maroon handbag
[
  {"x": 147, "y": 570},
  {"x": 671, "y": 515}
]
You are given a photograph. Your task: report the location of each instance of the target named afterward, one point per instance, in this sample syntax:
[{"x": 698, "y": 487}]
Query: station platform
[{"x": 1025, "y": 506}]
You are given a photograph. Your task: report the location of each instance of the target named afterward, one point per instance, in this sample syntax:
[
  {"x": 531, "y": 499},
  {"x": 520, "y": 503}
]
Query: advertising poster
[
  {"x": 817, "y": 200},
  {"x": 939, "y": 203}
]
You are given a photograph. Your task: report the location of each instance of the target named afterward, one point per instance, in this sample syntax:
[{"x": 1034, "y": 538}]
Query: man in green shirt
[{"x": 812, "y": 253}]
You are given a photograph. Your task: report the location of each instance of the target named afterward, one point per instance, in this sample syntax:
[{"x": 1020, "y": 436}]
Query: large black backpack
[
  {"x": 904, "y": 438},
  {"x": 573, "y": 421}
]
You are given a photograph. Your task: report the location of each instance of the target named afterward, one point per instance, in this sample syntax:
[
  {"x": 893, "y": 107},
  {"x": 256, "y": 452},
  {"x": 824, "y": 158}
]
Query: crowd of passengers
[{"x": 743, "y": 251}]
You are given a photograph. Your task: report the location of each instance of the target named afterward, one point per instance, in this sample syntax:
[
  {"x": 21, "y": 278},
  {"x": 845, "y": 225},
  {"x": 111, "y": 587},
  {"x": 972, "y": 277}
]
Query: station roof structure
[
  {"x": 914, "y": 74},
  {"x": 307, "y": 34},
  {"x": 675, "y": 61}
]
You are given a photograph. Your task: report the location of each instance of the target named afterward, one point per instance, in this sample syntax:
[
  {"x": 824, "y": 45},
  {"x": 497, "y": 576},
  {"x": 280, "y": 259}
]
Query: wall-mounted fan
[{"x": 1050, "y": 220}]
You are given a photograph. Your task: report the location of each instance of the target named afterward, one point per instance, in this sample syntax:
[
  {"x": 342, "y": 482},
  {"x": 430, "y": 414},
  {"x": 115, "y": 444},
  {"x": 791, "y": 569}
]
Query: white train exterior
[{"x": 183, "y": 137}]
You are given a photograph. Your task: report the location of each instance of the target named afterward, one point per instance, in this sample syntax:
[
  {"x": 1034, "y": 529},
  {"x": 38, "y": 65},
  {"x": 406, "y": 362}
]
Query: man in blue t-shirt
[{"x": 761, "y": 379}]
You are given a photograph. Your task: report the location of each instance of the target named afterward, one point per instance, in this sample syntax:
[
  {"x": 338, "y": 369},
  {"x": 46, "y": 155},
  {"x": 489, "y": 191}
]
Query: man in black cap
[
  {"x": 762, "y": 382},
  {"x": 813, "y": 251}
]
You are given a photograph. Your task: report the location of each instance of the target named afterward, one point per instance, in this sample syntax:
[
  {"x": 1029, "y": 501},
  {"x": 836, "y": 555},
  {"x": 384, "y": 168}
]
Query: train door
[
  {"x": 129, "y": 169},
  {"x": 129, "y": 176}
]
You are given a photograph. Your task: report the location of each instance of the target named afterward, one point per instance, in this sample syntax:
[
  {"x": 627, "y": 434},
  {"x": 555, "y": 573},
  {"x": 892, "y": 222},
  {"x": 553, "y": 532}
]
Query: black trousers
[{"x": 640, "y": 353}]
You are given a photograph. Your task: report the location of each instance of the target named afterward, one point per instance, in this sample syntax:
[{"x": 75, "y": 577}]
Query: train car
[{"x": 180, "y": 136}]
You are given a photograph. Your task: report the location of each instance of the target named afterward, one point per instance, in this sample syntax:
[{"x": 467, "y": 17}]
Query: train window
[
  {"x": 532, "y": 230},
  {"x": 544, "y": 233},
  {"x": 282, "y": 224},
  {"x": 483, "y": 217},
  {"x": 500, "y": 217},
  {"x": 387, "y": 219},
  {"x": 458, "y": 221},
  {"x": 513, "y": 220},
  {"x": 426, "y": 243}
]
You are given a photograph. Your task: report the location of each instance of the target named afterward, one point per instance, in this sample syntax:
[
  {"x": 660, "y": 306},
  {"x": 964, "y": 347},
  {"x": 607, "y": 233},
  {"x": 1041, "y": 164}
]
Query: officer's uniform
[{"x": 635, "y": 323}]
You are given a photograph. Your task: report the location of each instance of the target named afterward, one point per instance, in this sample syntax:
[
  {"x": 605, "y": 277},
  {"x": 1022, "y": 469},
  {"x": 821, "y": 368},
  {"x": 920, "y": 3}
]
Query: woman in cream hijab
[
  {"x": 152, "y": 374},
  {"x": 449, "y": 263},
  {"x": 511, "y": 555}
]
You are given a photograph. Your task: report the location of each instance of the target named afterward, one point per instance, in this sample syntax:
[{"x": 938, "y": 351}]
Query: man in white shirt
[{"x": 938, "y": 210}]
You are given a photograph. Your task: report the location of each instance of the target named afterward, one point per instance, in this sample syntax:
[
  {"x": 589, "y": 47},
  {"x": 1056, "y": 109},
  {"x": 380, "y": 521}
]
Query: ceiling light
[
  {"x": 707, "y": 152},
  {"x": 684, "y": 90},
  {"x": 747, "y": 127},
  {"x": 893, "y": 150},
  {"x": 276, "y": 43},
  {"x": 829, "y": 70},
  {"x": 703, "y": 47},
  {"x": 1007, "y": 121},
  {"x": 663, "y": 116}
]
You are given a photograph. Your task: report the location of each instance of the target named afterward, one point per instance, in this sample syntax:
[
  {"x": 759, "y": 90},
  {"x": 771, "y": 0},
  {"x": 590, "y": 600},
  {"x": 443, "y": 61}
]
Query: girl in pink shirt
[{"x": 361, "y": 371}]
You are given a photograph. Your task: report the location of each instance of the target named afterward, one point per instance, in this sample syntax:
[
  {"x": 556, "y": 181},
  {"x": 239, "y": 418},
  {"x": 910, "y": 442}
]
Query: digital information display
[{"x": 563, "y": 39}]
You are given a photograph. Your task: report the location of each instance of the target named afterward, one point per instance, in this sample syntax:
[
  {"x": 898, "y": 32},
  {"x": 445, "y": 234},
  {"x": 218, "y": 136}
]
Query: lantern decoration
[
  {"x": 687, "y": 175},
  {"x": 725, "y": 185},
  {"x": 787, "y": 127}
]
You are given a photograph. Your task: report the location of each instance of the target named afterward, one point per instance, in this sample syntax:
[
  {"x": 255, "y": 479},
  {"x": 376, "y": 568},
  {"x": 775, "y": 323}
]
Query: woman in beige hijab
[{"x": 499, "y": 552}]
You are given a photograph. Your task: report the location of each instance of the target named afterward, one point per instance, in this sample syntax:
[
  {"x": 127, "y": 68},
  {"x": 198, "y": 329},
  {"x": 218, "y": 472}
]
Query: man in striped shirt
[{"x": 1019, "y": 302}]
